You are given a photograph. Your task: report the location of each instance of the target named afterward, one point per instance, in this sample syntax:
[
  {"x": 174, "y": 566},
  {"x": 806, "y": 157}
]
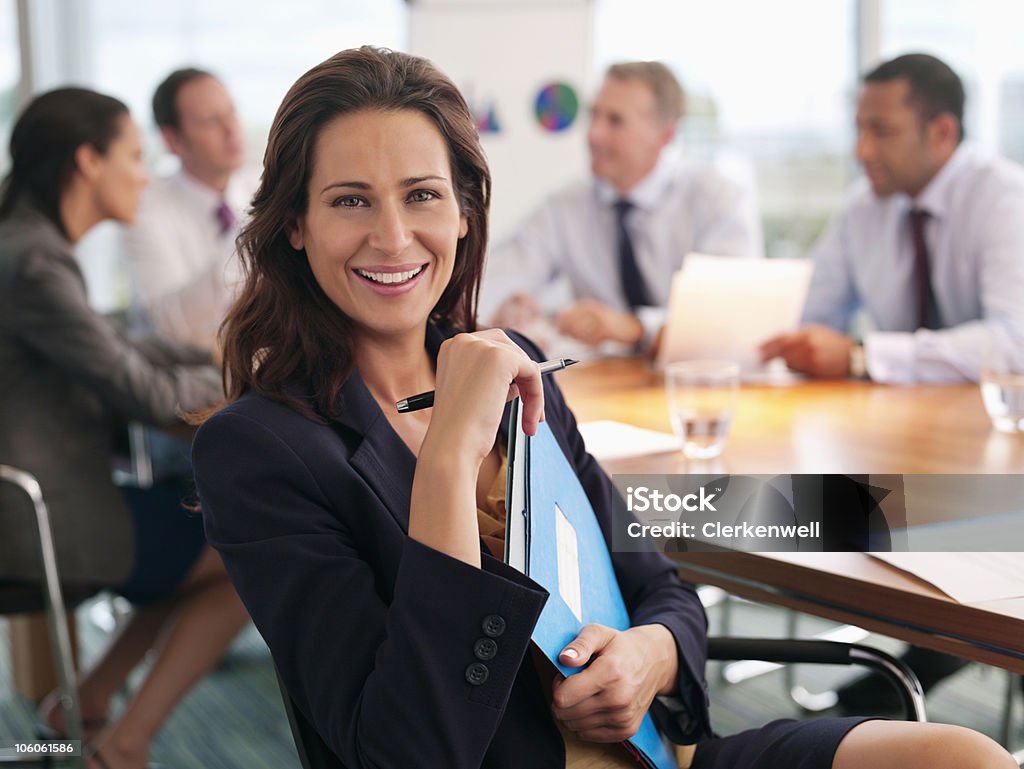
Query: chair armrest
[{"x": 791, "y": 650}]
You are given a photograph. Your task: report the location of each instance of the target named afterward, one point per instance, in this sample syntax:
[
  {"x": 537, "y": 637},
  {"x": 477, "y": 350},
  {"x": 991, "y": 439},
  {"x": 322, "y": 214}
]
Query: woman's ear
[
  {"x": 463, "y": 226},
  {"x": 295, "y": 235},
  {"x": 88, "y": 161}
]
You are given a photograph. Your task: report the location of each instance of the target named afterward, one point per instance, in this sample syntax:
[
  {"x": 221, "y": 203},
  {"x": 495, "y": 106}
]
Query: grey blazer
[{"x": 66, "y": 373}]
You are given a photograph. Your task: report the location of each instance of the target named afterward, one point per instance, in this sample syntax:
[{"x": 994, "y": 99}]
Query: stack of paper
[
  {"x": 608, "y": 440},
  {"x": 965, "y": 577}
]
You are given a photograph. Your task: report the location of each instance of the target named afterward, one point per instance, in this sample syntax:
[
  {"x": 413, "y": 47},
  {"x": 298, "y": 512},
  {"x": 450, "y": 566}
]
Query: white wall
[{"x": 503, "y": 52}]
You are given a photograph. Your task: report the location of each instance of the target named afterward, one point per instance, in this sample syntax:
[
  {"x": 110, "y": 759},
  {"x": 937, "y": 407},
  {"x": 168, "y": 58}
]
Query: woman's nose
[{"x": 391, "y": 234}]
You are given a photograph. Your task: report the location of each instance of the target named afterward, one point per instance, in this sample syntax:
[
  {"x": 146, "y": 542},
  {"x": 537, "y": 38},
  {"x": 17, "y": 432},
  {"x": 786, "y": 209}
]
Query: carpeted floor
[{"x": 234, "y": 718}]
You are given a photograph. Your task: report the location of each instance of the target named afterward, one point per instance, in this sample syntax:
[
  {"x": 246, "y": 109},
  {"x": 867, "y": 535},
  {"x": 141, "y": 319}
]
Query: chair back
[
  {"x": 16, "y": 597},
  {"x": 313, "y": 751}
]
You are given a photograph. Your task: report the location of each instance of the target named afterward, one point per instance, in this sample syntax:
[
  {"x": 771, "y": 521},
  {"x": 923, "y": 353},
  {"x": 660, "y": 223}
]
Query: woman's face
[
  {"x": 120, "y": 174},
  {"x": 383, "y": 221}
]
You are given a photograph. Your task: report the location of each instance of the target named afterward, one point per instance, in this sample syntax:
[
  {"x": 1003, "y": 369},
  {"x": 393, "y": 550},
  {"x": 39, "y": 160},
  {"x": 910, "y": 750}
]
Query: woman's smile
[{"x": 391, "y": 280}]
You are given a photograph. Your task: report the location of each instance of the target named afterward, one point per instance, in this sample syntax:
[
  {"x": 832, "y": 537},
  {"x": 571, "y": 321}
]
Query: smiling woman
[
  {"x": 326, "y": 204},
  {"x": 382, "y": 238},
  {"x": 367, "y": 543}
]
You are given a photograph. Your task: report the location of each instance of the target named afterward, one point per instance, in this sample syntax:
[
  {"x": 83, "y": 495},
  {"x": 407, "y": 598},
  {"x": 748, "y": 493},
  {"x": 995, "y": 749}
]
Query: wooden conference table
[
  {"x": 809, "y": 427},
  {"x": 831, "y": 427}
]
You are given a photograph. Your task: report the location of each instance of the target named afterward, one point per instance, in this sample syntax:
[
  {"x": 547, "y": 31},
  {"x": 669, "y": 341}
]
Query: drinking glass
[
  {"x": 702, "y": 396},
  {"x": 1002, "y": 388}
]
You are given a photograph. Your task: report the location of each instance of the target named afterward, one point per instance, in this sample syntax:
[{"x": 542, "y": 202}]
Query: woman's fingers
[
  {"x": 530, "y": 388},
  {"x": 525, "y": 382},
  {"x": 476, "y": 376}
]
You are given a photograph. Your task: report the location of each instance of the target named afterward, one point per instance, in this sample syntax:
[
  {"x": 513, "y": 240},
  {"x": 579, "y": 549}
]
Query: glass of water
[
  {"x": 1002, "y": 388},
  {"x": 702, "y": 396}
]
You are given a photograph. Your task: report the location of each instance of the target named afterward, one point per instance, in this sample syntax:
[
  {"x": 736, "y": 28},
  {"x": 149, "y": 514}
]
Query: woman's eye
[
  {"x": 421, "y": 196},
  {"x": 347, "y": 201}
]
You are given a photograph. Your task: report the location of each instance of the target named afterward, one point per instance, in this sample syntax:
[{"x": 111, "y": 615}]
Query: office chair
[
  {"x": 315, "y": 754},
  {"x": 791, "y": 650},
  {"x": 132, "y": 461},
  {"x": 313, "y": 751},
  {"x": 21, "y": 597}
]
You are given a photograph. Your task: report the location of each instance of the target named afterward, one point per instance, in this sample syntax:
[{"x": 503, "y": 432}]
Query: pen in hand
[{"x": 426, "y": 400}]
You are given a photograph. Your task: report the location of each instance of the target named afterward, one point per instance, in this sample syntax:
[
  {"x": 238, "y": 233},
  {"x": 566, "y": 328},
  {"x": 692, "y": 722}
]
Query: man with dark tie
[
  {"x": 611, "y": 244},
  {"x": 929, "y": 250},
  {"x": 180, "y": 251}
]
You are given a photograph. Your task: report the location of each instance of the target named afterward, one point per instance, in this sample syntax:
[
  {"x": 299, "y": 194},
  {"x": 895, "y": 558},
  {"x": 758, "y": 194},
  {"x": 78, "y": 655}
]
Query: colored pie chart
[{"x": 556, "y": 107}]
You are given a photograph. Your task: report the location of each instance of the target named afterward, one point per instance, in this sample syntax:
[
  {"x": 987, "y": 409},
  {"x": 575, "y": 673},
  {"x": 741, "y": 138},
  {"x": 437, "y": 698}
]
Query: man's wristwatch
[{"x": 858, "y": 362}]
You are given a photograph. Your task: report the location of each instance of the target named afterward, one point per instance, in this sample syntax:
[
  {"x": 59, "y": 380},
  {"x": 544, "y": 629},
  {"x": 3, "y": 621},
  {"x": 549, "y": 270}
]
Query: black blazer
[{"x": 376, "y": 635}]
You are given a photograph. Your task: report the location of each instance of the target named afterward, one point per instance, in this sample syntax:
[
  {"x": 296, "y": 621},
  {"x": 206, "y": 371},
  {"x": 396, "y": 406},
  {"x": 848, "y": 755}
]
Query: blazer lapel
[{"x": 382, "y": 458}]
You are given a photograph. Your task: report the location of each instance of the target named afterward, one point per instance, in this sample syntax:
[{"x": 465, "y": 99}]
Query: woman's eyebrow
[
  {"x": 411, "y": 181},
  {"x": 353, "y": 185}
]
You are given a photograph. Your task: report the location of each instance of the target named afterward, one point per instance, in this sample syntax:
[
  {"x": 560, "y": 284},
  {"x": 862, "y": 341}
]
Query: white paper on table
[
  {"x": 725, "y": 307},
  {"x": 607, "y": 440},
  {"x": 965, "y": 577}
]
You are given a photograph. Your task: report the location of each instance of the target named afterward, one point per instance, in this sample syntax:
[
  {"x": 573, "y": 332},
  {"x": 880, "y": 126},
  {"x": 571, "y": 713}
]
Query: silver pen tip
[{"x": 402, "y": 405}]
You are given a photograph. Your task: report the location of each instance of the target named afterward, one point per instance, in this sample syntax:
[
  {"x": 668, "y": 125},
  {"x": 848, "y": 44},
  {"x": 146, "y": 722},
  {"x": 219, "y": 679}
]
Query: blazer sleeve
[
  {"x": 53, "y": 317},
  {"x": 387, "y": 672},
  {"x": 649, "y": 582}
]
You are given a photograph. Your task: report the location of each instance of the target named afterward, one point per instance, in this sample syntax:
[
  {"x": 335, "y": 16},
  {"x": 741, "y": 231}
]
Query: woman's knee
[
  {"x": 907, "y": 745},
  {"x": 973, "y": 750}
]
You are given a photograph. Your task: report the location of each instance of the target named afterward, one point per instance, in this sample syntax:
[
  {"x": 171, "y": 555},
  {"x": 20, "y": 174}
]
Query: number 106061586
[{"x": 40, "y": 748}]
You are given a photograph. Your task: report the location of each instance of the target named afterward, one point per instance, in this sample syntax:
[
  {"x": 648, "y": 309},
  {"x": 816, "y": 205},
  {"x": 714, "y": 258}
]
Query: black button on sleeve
[
  {"x": 485, "y": 649},
  {"x": 477, "y": 673},
  {"x": 493, "y": 625}
]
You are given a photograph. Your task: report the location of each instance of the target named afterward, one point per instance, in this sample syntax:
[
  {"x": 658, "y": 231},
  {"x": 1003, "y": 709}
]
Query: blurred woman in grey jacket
[{"x": 67, "y": 375}]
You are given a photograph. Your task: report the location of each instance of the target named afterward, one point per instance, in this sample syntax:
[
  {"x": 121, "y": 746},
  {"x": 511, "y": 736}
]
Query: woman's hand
[
  {"x": 477, "y": 374},
  {"x": 607, "y": 701}
]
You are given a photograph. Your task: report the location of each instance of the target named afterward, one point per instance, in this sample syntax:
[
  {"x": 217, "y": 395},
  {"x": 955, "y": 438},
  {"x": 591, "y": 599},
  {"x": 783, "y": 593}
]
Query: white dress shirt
[
  {"x": 678, "y": 208},
  {"x": 183, "y": 268},
  {"x": 975, "y": 238}
]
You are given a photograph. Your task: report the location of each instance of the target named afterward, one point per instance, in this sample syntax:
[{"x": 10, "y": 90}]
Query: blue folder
[{"x": 567, "y": 554}]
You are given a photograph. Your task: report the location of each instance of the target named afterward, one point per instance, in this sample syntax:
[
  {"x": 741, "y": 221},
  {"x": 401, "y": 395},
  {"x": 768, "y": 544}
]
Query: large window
[
  {"x": 258, "y": 49},
  {"x": 769, "y": 87},
  {"x": 774, "y": 84},
  {"x": 981, "y": 40},
  {"x": 9, "y": 72}
]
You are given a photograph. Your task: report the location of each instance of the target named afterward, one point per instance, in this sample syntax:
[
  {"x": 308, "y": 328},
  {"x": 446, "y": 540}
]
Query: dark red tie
[
  {"x": 225, "y": 217},
  {"x": 633, "y": 287},
  {"x": 927, "y": 311}
]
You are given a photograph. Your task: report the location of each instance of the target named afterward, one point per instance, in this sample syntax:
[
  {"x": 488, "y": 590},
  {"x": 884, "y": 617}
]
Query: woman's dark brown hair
[
  {"x": 283, "y": 328},
  {"x": 44, "y": 141}
]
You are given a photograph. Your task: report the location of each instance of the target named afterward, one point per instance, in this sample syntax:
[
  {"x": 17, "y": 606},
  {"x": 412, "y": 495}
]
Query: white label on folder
[{"x": 568, "y": 550}]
